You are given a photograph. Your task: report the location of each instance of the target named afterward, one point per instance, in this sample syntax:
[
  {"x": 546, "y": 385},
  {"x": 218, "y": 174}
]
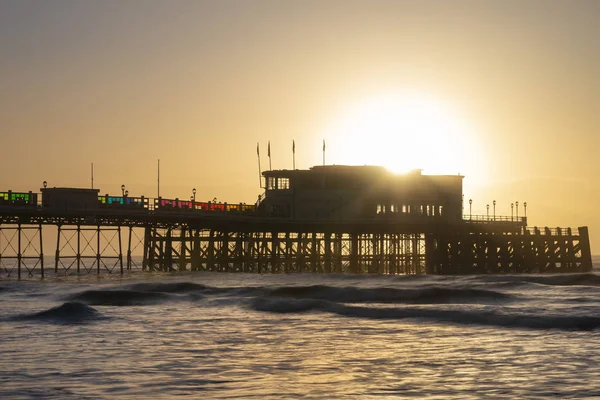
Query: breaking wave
[
  {"x": 171, "y": 287},
  {"x": 119, "y": 297},
  {"x": 70, "y": 312},
  {"x": 583, "y": 279},
  {"x": 460, "y": 317},
  {"x": 429, "y": 295},
  {"x": 195, "y": 288}
]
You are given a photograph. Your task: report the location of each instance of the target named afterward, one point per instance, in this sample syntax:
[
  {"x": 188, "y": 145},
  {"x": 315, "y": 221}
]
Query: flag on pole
[{"x": 323, "y": 144}]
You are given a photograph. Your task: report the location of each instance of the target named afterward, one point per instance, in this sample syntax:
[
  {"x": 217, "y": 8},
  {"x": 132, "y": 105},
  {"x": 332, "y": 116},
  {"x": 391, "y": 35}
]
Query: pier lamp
[
  {"x": 126, "y": 193},
  {"x": 45, "y": 184},
  {"x": 517, "y": 208},
  {"x": 494, "y": 203},
  {"x": 194, "y": 195},
  {"x": 525, "y": 208},
  {"x": 470, "y": 208},
  {"x": 123, "y": 190},
  {"x": 512, "y": 206},
  {"x": 487, "y": 206}
]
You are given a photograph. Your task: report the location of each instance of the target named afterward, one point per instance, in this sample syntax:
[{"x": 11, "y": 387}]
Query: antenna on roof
[{"x": 92, "y": 175}]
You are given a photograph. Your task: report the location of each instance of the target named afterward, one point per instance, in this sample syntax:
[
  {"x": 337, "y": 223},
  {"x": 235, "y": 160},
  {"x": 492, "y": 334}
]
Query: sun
[{"x": 402, "y": 132}]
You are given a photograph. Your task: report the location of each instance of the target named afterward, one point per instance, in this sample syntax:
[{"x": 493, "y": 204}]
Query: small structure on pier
[{"x": 69, "y": 199}]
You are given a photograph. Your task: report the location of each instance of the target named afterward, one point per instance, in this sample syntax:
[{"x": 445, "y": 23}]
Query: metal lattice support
[
  {"x": 21, "y": 248},
  {"x": 135, "y": 241},
  {"x": 493, "y": 253},
  {"x": 88, "y": 248},
  {"x": 171, "y": 249}
]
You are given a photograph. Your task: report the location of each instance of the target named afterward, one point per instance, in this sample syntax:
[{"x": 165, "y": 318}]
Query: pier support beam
[{"x": 21, "y": 250}]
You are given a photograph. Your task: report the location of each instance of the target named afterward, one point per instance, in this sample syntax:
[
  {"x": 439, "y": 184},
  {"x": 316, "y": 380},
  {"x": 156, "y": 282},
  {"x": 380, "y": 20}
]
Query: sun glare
[{"x": 403, "y": 132}]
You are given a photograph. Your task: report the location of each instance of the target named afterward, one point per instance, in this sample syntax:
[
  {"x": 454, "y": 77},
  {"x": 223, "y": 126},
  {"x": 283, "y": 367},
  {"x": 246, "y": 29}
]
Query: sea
[{"x": 314, "y": 336}]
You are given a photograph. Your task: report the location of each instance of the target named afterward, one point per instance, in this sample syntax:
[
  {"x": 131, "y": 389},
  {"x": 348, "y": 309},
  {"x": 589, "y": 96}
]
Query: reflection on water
[{"x": 281, "y": 336}]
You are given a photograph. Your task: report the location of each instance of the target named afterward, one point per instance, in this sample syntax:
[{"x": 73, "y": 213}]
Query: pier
[{"x": 328, "y": 219}]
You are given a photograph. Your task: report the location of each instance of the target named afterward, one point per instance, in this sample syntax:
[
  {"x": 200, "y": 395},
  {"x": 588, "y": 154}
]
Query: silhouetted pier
[{"x": 327, "y": 219}]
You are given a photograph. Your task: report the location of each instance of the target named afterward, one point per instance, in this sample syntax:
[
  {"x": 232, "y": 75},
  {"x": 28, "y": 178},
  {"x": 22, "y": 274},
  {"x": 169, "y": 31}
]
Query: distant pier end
[{"x": 328, "y": 219}]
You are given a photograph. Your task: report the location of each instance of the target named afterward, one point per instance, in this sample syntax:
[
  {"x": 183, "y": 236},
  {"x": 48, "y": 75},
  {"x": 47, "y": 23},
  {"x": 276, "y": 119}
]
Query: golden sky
[{"x": 506, "y": 93}]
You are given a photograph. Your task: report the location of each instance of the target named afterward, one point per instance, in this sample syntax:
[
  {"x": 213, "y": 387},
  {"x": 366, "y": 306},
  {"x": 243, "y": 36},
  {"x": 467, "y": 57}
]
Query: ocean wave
[
  {"x": 429, "y": 295},
  {"x": 119, "y": 297},
  {"x": 284, "y": 306},
  {"x": 196, "y": 289},
  {"x": 170, "y": 287},
  {"x": 567, "y": 280},
  {"x": 459, "y": 317},
  {"x": 71, "y": 312},
  {"x": 582, "y": 279}
]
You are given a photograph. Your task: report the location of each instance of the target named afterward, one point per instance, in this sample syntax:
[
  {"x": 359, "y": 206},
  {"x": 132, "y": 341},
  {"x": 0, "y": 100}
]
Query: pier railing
[
  {"x": 549, "y": 231},
  {"x": 496, "y": 218}
]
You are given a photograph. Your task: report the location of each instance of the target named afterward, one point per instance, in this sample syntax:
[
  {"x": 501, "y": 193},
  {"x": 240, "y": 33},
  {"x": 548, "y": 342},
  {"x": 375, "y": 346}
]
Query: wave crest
[
  {"x": 119, "y": 297},
  {"x": 71, "y": 312},
  {"x": 582, "y": 279},
  {"x": 430, "y": 295},
  {"x": 170, "y": 287},
  {"x": 459, "y": 317},
  {"x": 281, "y": 306}
]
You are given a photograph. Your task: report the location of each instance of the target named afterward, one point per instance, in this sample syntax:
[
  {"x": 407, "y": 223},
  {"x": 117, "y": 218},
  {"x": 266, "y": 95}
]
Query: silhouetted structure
[{"x": 338, "y": 219}]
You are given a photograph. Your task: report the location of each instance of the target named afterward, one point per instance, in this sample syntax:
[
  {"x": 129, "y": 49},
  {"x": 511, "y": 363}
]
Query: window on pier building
[
  {"x": 283, "y": 183},
  {"x": 429, "y": 210},
  {"x": 278, "y": 183}
]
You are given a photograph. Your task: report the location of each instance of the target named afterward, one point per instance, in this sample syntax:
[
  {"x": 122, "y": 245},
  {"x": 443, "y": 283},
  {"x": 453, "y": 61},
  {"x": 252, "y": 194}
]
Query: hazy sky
[{"x": 512, "y": 88}]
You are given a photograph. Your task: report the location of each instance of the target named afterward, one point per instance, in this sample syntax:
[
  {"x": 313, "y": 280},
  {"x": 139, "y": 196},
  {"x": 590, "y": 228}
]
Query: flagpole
[
  {"x": 259, "y": 170},
  {"x": 269, "y": 154},
  {"x": 92, "y": 175},
  {"x": 294, "y": 153}
]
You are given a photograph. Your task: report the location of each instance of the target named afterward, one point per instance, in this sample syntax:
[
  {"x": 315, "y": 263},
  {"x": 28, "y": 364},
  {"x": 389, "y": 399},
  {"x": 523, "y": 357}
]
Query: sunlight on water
[{"x": 281, "y": 336}]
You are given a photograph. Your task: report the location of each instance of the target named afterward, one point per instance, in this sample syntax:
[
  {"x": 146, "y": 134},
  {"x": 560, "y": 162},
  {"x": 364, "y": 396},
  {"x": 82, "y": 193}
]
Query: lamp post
[
  {"x": 194, "y": 195},
  {"x": 126, "y": 193},
  {"x": 123, "y": 190},
  {"x": 494, "y": 203},
  {"x": 517, "y": 208},
  {"x": 487, "y": 206},
  {"x": 525, "y": 208},
  {"x": 470, "y": 208},
  {"x": 512, "y": 206},
  {"x": 45, "y": 184}
]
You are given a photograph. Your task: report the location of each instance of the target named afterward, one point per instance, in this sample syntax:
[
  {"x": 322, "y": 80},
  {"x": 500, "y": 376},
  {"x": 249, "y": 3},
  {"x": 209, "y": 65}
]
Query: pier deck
[{"x": 190, "y": 239}]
